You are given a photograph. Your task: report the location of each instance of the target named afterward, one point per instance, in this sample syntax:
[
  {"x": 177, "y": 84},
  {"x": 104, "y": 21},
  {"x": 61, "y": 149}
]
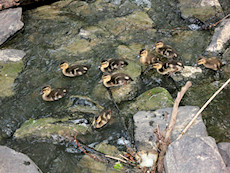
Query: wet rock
[
  {"x": 226, "y": 62},
  {"x": 152, "y": 99},
  {"x": 115, "y": 2},
  {"x": 224, "y": 149},
  {"x": 83, "y": 104},
  {"x": 11, "y": 55},
  {"x": 146, "y": 122},
  {"x": 220, "y": 38},
  {"x": 58, "y": 130},
  {"x": 87, "y": 164},
  {"x": 13, "y": 161},
  {"x": 143, "y": 3},
  {"x": 194, "y": 154},
  {"x": 187, "y": 72},
  {"x": 10, "y": 21},
  {"x": 204, "y": 10}
]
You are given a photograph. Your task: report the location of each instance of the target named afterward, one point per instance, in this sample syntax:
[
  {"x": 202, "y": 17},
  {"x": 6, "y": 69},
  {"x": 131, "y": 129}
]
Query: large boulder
[
  {"x": 13, "y": 161},
  {"x": 220, "y": 38},
  {"x": 194, "y": 154},
  {"x": 224, "y": 149},
  {"x": 10, "y": 22}
]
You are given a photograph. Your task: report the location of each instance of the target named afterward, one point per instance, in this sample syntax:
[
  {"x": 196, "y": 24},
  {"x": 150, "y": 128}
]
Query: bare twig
[
  {"x": 203, "y": 107},
  {"x": 166, "y": 142},
  {"x": 115, "y": 158}
]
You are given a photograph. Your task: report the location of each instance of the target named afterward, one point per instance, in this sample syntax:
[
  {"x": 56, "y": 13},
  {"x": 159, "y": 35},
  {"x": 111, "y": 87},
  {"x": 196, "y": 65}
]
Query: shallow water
[{"x": 51, "y": 35}]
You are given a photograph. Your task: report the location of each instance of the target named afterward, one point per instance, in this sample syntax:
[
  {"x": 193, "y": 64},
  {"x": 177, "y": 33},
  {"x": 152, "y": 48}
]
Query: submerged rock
[
  {"x": 204, "y": 10},
  {"x": 187, "y": 72},
  {"x": 57, "y": 129},
  {"x": 13, "y": 161},
  {"x": 11, "y": 55},
  {"x": 10, "y": 22},
  {"x": 194, "y": 154},
  {"x": 220, "y": 38}
]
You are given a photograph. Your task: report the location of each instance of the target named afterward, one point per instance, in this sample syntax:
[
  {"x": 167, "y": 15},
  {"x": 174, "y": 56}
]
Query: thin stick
[
  {"x": 220, "y": 20},
  {"x": 166, "y": 142},
  {"x": 115, "y": 158},
  {"x": 205, "y": 105}
]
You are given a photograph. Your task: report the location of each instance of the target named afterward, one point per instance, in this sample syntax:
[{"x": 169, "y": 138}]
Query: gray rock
[
  {"x": 204, "y": 10},
  {"x": 10, "y": 22},
  {"x": 11, "y": 55},
  {"x": 220, "y": 37},
  {"x": 12, "y": 161},
  {"x": 193, "y": 155},
  {"x": 144, "y": 3},
  {"x": 224, "y": 149},
  {"x": 146, "y": 122}
]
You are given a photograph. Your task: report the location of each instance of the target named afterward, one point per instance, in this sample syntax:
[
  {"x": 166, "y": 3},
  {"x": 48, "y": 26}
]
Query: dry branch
[
  {"x": 203, "y": 107},
  {"x": 163, "y": 146}
]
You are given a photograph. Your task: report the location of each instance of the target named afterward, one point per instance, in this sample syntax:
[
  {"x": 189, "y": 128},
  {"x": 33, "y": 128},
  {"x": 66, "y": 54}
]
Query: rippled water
[{"x": 46, "y": 39}]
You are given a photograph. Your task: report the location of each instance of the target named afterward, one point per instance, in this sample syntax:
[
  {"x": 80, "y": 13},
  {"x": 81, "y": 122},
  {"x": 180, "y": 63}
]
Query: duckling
[
  {"x": 112, "y": 64},
  {"x": 102, "y": 119},
  {"x": 147, "y": 58},
  {"x": 165, "y": 50},
  {"x": 73, "y": 70},
  {"x": 117, "y": 79},
  {"x": 51, "y": 95},
  {"x": 168, "y": 67},
  {"x": 211, "y": 63}
]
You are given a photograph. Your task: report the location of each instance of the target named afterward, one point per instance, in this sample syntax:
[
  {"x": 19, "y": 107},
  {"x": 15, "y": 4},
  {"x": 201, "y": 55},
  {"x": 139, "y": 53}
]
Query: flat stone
[
  {"x": 13, "y": 161},
  {"x": 201, "y": 9},
  {"x": 224, "y": 149},
  {"x": 10, "y": 22},
  {"x": 11, "y": 55},
  {"x": 220, "y": 38},
  {"x": 193, "y": 155}
]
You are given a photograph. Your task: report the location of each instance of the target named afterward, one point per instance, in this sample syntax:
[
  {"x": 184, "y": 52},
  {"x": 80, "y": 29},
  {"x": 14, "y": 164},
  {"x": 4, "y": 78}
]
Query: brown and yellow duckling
[
  {"x": 112, "y": 64},
  {"x": 102, "y": 119},
  {"x": 165, "y": 50},
  {"x": 73, "y": 70},
  {"x": 211, "y": 63},
  {"x": 49, "y": 94},
  {"x": 116, "y": 79},
  {"x": 146, "y": 57},
  {"x": 168, "y": 67}
]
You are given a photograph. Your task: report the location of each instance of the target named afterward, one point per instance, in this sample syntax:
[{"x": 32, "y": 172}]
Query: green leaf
[{"x": 118, "y": 166}]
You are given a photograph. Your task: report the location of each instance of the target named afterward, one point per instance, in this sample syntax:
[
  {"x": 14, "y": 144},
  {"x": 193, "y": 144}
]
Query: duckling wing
[
  {"x": 77, "y": 70},
  {"x": 117, "y": 63},
  {"x": 57, "y": 93},
  {"x": 120, "y": 78}
]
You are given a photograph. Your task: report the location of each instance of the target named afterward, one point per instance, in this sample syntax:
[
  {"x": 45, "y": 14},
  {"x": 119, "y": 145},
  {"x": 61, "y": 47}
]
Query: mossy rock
[
  {"x": 8, "y": 72},
  {"x": 46, "y": 128},
  {"x": 152, "y": 99}
]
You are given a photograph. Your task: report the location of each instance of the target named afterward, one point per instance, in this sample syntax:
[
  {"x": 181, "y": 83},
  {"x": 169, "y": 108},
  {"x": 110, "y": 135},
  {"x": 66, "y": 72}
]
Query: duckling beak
[
  {"x": 138, "y": 56},
  {"x": 100, "y": 81},
  {"x": 99, "y": 67},
  {"x": 59, "y": 69},
  {"x": 154, "y": 47},
  {"x": 41, "y": 93}
]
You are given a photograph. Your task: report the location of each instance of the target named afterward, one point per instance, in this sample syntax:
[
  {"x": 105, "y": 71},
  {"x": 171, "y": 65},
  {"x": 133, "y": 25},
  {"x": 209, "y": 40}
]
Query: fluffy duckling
[
  {"x": 211, "y": 63},
  {"x": 51, "y": 95},
  {"x": 112, "y": 64},
  {"x": 168, "y": 67},
  {"x": 102, "y": 119},
  {"x": 147, "y": 58},
  {"x": 165, "y": 50},
  {"x": 73, "y": 70},
  {"x": 117, "y": 79}
]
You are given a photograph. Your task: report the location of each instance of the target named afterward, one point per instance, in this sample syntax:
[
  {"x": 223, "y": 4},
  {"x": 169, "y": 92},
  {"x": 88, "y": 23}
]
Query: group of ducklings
[
  {"x": 172, "y": 65},
  {"x": 111, "y": 79}
]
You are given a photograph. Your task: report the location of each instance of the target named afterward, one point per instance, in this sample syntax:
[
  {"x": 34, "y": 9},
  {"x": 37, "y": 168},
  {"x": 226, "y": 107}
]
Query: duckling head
[
  {"x": 46, "y": 90},
  {"x": 201, "y": 60},
  {"x": 159, "y": 44},
  {"x": 143, "y": 53},
  {"x": 104, "y": 64},
  {"x": 64, "y": 65},
  {"x": 158, "y": 65},
  {"x": 106, "y": 78}
]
